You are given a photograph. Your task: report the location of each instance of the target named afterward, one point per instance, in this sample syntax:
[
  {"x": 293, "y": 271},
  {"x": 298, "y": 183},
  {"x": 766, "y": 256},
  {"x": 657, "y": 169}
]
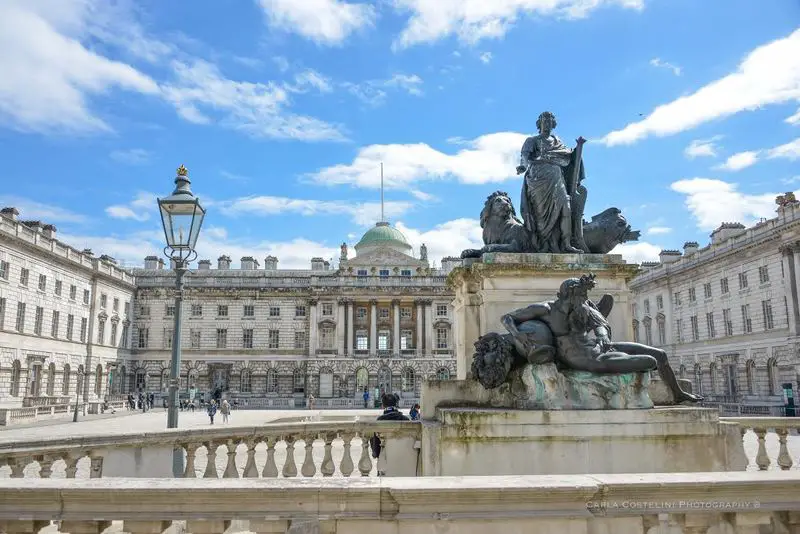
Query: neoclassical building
[
  {"x": 727, "y": 314},
  {"x": 269, "y": 337}
]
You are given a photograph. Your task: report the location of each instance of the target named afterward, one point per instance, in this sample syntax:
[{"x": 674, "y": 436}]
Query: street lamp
[
  {"x": 182, "y": 216},
  {"x": 78, "y": 388}
]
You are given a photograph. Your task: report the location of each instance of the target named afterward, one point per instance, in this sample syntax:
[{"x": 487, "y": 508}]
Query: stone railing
[
  {"x": 329, "y": 448},
  {"x": 30, "y": 402},
  {"x": 772, "y": 449},
  {"x": 14, "y": 416},
  {"x": 696, "y": 503}
]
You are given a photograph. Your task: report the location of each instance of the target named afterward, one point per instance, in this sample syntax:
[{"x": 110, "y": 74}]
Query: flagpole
[{"x": 383, "y": 219}]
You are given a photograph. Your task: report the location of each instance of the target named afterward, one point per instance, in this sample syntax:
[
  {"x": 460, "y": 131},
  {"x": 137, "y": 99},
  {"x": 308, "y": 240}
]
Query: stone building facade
[
  {"x": 65, "y": 317},
  {"x": 727, "y": 314}
]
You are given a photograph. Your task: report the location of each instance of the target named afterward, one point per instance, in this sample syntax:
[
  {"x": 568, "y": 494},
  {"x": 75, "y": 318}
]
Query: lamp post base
[{"x": 177, "y": 463}]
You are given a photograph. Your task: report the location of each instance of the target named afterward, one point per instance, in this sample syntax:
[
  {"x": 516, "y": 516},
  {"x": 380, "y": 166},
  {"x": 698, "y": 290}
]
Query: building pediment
[{"x": 383, "y": 256}]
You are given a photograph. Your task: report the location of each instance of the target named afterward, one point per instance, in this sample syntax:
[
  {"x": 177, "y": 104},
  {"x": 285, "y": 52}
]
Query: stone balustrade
[
  {"x": 325, "y": 448},
  {"x": 12, "y": 416},
  {"x": 687, "y": 503},
  {"x": 759, "y": 428},
  {"x": 30, "y": 402}
]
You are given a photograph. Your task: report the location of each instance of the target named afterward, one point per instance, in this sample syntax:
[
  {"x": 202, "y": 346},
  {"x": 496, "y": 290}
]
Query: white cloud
[
  {"x": 365, "y": 213},
  {"x": 422, "y": 195},
  {"x": 736, "y": 162},
  {"x": 282, "y": 63},
  {"x": 133, "y": 156},
  {"x": 31, "y": 210},
  {"x": 446, "y": 239},
  {"x": 770, "y": 74},
  {"x": 702, "y": 148},
  {"x": 138, "y": 209},
  {"x": 485, "y": 57},
  {"x": 658, "y": 230},
  {"x": 326, "y": 22},
  {"x": 310, "y": 78},
  {"x": 255, "y": 108},
  {"x": 657, "y": 62},
  {"x": 49, "y": 75},
  {"x": 794, "y": 119},
  {"x": 473, "y": 20},
  {"x": 488, "y": 158},
  {"x": 712, "y": 202},
  {"x": 637, "y": 251},
  {"x": 233, "y": 176},
  {"x": 374, "y": 92}
]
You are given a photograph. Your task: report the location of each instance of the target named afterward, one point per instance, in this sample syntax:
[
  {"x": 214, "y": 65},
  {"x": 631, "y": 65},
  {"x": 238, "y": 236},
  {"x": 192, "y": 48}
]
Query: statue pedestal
[{"x": 498, "y": 283}]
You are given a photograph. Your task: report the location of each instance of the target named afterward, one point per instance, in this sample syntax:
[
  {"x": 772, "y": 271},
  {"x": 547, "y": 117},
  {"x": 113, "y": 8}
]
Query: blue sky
[{"x": 283, "y": 110}]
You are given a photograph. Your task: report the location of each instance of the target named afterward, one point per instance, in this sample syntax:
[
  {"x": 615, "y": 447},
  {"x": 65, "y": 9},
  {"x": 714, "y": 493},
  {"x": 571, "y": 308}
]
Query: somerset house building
[{"x": 75, "y": 324}]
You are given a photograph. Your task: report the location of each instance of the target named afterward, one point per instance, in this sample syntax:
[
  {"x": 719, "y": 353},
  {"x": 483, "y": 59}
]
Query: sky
[{"x": 283, "y": 110}]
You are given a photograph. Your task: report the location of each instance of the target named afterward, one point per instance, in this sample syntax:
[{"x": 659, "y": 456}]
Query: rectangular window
[
  {"x": 194, "y": 338},
  {"x": 54, "y": 324},
  {"x": 707, "y": 290},
  {"x": 441, "y": 338},
  {"x": 441, "y": 310},
  {"x": 383, "y": 340},
  {"x": 222, "y": 310},
  {"x": 327, "y": 308},
  {"x": 70, "y": 326},
  {"x": 692, "y": 295},
  {"x": 84, "y": 325},
  {"x": 362, "y": 272},
  {"x": 127, "y": 308},
  {"x": 723, "y": 285},
  {"x": 197, "y": 310},
  {"x": 247, "y": 338},
  {"x": 406, "y": 340},
  {"x": 660, "y": 302},
  {"x": 168, "y": 338},
  {"x": 116, "y": 304},
  {"x": 763, "y": 274},
  {"x": 249, "y": 310},
  {"x": 677, "y": 298},
  {"x": 274, "y": 339},
  {"x": 383, "y": 273},
  {"x": 5, "y": 268},
  {"x": 20, "y": 317},
  {"x": 144, "y": 311},
  {"x": 123, "y": 339},
  {"x": 327, "y": 337},
  {"x": 24, "y": 274},
  {"x": 42, "y": 282},
  {"x": 299, "y": 339},
  {"x": 362, "y": 342},
  {"x": 766, "y": 309},
  {"x": 103, "y": 300},
  {"x": 113, "y": 340},
  {"x": 73, "y": 292},
  {"x": 743, "y": 280},
  {"x": 274, "y": 311},
  {"x": 101, "y": 332},
  {"x": 2, "y": 313},
  {"x": 38, "y": 320},
  {"x": 747, "y": 322},
  {"x": 300, "y": 311},
  {"x": 647, "y": 306},
  {"x": 405, "y": 313},
  {"x": 169, "y": 310},
  {"x": 361, "y": 313},
  {"x": 86, "y": 296},
  {"x": 144, "y": 338},
  {"x": 59, "y": 286},
  {"x": 679, "y": 330},
  {"x": 405, "y": 272},
  {"x": 222, "y": 338},
  {"x": 695, "y": 328},
  {"x": 383, "y": 313},
  {"x": 662, "y": 333},
  {"x": 712, "y": 331},
  {"x": 726, "y": 318}
]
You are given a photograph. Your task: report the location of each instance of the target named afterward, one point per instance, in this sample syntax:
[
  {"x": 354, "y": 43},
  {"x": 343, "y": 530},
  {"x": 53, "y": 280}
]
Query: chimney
[
  {"x": 151, "y": 262},
  {"x": 317, "y": 264},
  {"x": 224, "y": 263},
  {"x": 11, "y": 213},
  {"x": 726, "y": 231},
  {"x": 669, "y": 256},
  {"x": 249, "y": 263},
  {"x": 49, "y": 231},
  {"x": 327, "y": 266},
  {"x": 160, "y": 263},
  {"x": 647, "y": 265},
  {"x": 88, "y": 252},
  {"x": 109, "y": 259},
  {"x": 36, "y": 226},
  {"x": 449, "y": 263},
  {"x": 271, "y": 263},
  {"x": 690, "y": 247},
  {"x": 204, "y": 265}
]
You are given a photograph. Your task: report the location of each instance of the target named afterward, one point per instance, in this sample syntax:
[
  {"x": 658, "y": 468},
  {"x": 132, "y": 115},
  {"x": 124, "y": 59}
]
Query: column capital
[
  {"x": 344, "y": 300},
  {"x": 373, "y": 302},
  {"x": 395, "y": 302},
  {"x": 313, "y": 301}
]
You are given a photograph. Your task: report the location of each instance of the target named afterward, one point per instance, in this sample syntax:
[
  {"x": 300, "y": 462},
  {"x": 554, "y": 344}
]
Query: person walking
[
  {"x": 366, "y": 398},
  {"x": 311, "y": 401},
  {"x": 414, "y": 413},
  {"x": 212, "y": 411},
  {"x": 226, "y": 410}
]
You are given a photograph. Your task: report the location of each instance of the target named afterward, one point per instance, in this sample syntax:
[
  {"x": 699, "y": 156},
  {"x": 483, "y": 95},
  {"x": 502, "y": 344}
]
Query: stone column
[
  {"x": 790, "y": 268},
  {"x": 340, "y": 335},
  {"x": 429, "y": 327},
  {"x": 312, "y": 327},
  {"x": 373, "y": 327},
  {"x": 396, "y": 326},
  {"x": 420, "y": 326},
  {"x": 349, "y": 346}
]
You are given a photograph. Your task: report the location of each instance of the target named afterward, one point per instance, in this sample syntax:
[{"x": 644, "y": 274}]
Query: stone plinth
[
  {"x": 474, "y": 441},
  {"x": 486, "y": 290}
]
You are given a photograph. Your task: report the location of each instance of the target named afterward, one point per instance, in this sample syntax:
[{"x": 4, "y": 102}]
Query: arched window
[
  {"x": 750, "y": 369},
  {"x": 409, "y": 380},
  {"x": 299, "y": 381},
  {"x": 272, "y": 381},
  {"x": 325, "y": 383},
  {"x": 712, "y": 369},
  {"x": 98, "y": 380},
  {"x": 635, "y": 331},
  {"x": 164, "y": 380},
  {"x": 244, "y": 381},
  {"x": 772, "y": 376},
  {"x": 662, "y": 329},
  {"x": 698, "y": 378},
  {"x": 648, "y": 331},
  {"x": 362, "y": 378},
  {"x": 51, "y": 379},
  {"x": 141, "y": 380},
  {"x": 65, "y": 381},
  {"x": 443, "y": 374},
  {"x": 191, "y": 379},
  {"x": 385, "y": 379},
  {"x": 15, "y": 378}
]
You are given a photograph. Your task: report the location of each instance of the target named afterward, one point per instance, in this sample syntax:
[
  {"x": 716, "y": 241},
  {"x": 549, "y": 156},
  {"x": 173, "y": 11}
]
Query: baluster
[
  {"x": 365, "y": 462},
  {"x": 289, "y": 467},
  {"x": 211, "y": 466},
  {"x": 346, "y": 467},
  {"x": 328, "y": 468},
  {"x": 22, "y": 526},
  {"x": 270, "y": 469},
  {"x": 309, "y": 469},
  {"x": 784, "y": 460},
  {"x": 250, "y": 470},
  {"x": 189, "y": 471},
  {"x": 207, "y": 526},
  {"x": 46, "y": 465},
  {"x": 154, "y": 526},
  {"x": 84, "y": 527},
  {"x": 18, "y": 467},
  {"x": 230, "y": 469},
  {"x": 71, "y": 464},
  {"x": 762, "y": 460},
  {"x": 95, "y": 466}
]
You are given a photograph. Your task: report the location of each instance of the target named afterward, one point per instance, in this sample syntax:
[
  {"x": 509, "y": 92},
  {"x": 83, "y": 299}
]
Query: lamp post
[
  {"x": 182, "y": 216},
  {"x": 78, "y": 394}
]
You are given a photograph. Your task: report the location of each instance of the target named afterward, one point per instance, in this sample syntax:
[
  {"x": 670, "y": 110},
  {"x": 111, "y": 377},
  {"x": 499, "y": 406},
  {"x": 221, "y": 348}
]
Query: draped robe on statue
[{"x": 545, "y": 199}]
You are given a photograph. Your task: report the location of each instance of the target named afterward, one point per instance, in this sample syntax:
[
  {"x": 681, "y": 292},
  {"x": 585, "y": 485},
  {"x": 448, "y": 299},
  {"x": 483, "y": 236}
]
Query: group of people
[
  {"x": 224, "y": 408},
  {"x": 142, "y": 402}
]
